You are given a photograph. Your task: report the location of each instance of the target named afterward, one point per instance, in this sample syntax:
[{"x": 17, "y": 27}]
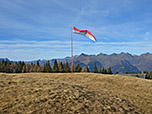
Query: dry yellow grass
[{"x": 90, "y": 93}]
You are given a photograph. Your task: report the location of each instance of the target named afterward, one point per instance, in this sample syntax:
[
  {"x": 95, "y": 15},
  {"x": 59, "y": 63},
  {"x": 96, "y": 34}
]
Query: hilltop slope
[{"x": 74, "y": 93}]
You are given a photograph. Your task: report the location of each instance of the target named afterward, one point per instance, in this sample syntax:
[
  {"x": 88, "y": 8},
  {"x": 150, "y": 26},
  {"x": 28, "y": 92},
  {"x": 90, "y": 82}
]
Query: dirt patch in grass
[{"x": 74, "y": 93}]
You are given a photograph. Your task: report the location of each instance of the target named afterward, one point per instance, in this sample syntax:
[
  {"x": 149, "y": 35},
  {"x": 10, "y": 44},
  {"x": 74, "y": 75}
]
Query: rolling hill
[{"x": 85, "y": 93}]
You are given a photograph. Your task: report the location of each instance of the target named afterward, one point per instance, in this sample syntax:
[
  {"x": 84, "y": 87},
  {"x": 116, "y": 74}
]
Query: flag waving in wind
[
  {"x": 81, "y": 32},
  {"x": 84, "y": 33}
]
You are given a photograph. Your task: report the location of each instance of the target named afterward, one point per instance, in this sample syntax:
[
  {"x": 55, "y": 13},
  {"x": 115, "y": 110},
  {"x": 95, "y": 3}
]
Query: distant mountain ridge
[{"x": 123, "y": 62}]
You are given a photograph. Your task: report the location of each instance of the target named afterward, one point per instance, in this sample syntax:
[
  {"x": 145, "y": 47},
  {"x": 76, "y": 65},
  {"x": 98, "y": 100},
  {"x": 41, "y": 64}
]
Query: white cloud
[
  {"x": 114, "y": 23},
  {"x": 30, "y": 50}
]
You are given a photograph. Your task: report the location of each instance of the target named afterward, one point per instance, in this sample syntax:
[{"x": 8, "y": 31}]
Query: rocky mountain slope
[{"x": 123, "y": 62}]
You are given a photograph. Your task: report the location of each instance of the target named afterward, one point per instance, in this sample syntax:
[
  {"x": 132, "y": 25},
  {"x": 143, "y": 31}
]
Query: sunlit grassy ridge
[{"x": 74, "y": 93}]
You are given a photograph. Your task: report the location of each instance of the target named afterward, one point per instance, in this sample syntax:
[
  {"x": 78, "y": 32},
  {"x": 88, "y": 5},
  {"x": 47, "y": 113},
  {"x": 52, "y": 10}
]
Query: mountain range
[{"x": 123, "y": 62}]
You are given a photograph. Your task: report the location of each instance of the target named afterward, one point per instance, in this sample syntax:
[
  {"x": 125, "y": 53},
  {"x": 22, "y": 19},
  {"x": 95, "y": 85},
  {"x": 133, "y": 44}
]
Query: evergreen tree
[
  {"x": 22, "y": 64},
  {"x": 146, "y": 77},
  {"x": 67, "y": 68},
  {"x": 87, "y": 69},
  {"x": 109, "y": 70},
  {"x": 104, "y": 71},
  {"x": 55, "y": 67},
  {"x": 117, "y": 72},
  {"x": 45, "y": 67},
  {"x": 37, "y": 63},
  {"x": 63, "y": 64},
  {"x": 3, "y": 65},
  {"x": 77, "y": 68},
  {"x": 32, "y": 67},
  {"x": 12, "y": 67},
  {"x": 24, "y": 69},
  {"x": 48, "y": 67},
  {"x": 137, "y": 75},
  {"x": 100, "y": 70},
  {"x": 28, "y": 67},
  {"x": 60, "y": 67},
  {"x": 19, "y": 67},
  {"x": 39, "y": 69},
  {"x": 95, "y": 68},
  {"x": 83, "y": 69},
  {"x": 0, "y": 66},
  {"x": 8, "y": 67},
  {"x": 15, "y": 67},
  {"x": 35, "y": 68}
]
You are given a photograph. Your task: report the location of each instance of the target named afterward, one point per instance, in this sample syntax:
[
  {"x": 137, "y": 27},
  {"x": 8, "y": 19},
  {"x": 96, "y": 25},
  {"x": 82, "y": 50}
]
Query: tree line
[
  {"x": 102, "y": 70},
  {"x": 58, "y": 67}
]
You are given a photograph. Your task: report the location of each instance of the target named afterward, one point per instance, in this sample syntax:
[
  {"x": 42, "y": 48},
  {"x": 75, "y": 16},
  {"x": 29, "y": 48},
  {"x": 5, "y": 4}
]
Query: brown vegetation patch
[{"x": 74, "y": 93}]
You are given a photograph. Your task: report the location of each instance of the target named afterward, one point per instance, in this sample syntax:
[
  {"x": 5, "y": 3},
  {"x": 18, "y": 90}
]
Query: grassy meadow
[{"x": 67, "y": 93}]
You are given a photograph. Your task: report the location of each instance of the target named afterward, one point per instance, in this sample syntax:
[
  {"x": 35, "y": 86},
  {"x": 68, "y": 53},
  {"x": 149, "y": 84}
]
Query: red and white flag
[{"x": 84, "y": 33}]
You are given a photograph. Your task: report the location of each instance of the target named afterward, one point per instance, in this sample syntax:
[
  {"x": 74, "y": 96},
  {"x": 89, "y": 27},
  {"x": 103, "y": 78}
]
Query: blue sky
[{"x": 41, "y": 29}]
